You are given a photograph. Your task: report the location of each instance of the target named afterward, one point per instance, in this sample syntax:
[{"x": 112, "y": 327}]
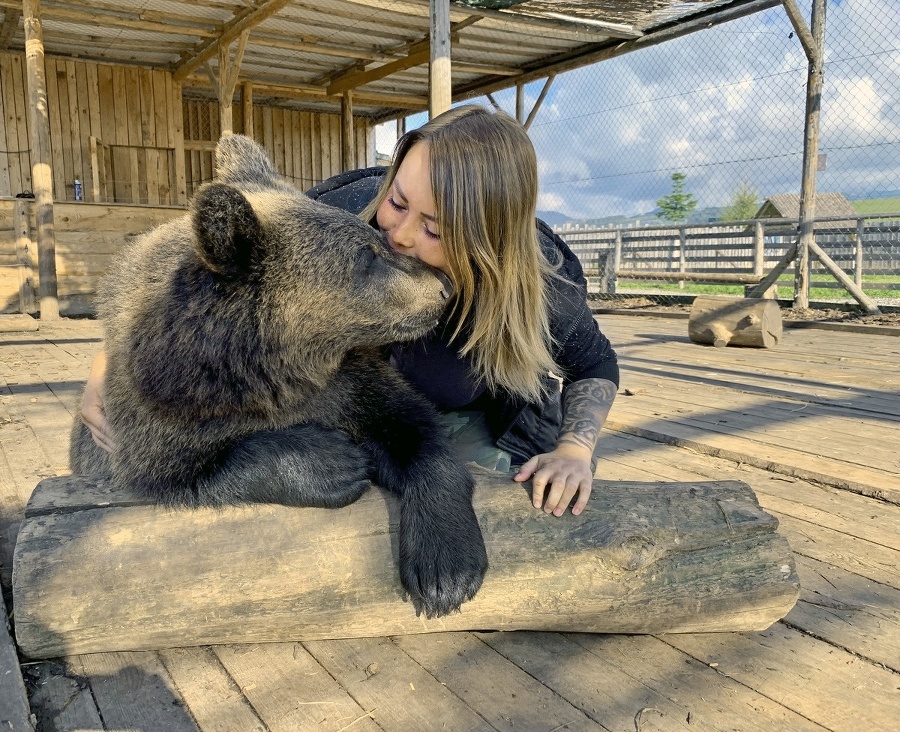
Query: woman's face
[{"x": 406, "y": 215}]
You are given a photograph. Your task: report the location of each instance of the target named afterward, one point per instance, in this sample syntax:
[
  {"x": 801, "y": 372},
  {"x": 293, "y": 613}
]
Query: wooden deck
[{"x": 812, "y": 425}]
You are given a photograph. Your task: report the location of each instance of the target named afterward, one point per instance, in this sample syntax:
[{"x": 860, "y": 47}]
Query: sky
[{"x": 724, "y": 106}]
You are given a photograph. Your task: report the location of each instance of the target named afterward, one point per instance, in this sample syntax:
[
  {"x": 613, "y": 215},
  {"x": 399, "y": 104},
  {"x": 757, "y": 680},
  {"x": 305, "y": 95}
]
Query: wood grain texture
[{"x": 644, "y": 558}]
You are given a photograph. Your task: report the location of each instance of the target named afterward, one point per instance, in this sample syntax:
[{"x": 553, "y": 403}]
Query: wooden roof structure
[
  {"x": 787, "y": 206},
  {"x": 307, "y": 55}
]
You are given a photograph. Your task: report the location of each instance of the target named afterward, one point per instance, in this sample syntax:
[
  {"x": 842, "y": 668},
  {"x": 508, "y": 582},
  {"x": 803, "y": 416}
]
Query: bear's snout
[{"x": 446, "y": 284}]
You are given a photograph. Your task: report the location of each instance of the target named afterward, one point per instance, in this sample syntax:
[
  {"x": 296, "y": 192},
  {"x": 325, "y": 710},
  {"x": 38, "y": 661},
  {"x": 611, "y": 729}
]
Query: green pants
[{"x": 472, "y": 440}]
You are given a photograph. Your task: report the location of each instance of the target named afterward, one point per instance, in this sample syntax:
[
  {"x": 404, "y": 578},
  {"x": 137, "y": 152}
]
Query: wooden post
[
  {"x": 617, "y": 262},
  {"x": 520, "y": 103},
  {"x": 95, "y": 169},
  {"x": 643, "y": 558},
  {"x": 23, "y": 255},
  {"x": 759, "y": 248},
  {"x": 439, "y": 81},
  {"x": 814, "y": 82},
  {"x": 41, "y": 170},
  {"x": 682, "y": 257},
  {"x": 858, "y": 251},
  {"x": 348, "y": 140},
  {"x": 178, "y": 143},
  {"x": 227, "y": 80},
  {"x": 247, "y": 107}
]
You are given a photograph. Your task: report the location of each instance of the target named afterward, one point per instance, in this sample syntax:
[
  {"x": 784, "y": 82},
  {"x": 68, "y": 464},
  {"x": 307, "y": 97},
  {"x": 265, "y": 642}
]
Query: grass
[{"x": 785, "y": 285}]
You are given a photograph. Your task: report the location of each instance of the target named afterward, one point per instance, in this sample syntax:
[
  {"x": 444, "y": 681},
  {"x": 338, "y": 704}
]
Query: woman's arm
[
  {"x": 92, "y": 413},
  {"x": 568, "y": 469}
]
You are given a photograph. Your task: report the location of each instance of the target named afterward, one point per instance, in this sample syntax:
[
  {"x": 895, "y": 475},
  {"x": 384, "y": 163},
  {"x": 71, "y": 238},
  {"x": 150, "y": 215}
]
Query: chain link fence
[{"x": 676, "y": 170}]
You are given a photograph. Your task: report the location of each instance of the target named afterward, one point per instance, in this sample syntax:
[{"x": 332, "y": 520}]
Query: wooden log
[
  {"x": 724, "y": 321},
  {"x": 97, "y": 569}
]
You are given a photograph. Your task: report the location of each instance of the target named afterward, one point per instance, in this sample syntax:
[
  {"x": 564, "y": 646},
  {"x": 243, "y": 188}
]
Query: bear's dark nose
[{"x": 446, "y": 284}]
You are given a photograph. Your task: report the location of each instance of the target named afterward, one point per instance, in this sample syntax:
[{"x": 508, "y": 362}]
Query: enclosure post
[
  {"x": 348, "y": 142},
  {"x": 810, "y": 152},
  {"x": 23, "y": 255},
  {"x": 617, "y": 261},
  {"x": 759, "y": 248},
  {"x": 41, "y": 171},
  {"x": 247, "y": 107},
  {"x": 439, "y": 84},
  {"x": 682, "y": 259},
  {"x": 178, "y": 118},
  {"x": 858, "y": 264}
]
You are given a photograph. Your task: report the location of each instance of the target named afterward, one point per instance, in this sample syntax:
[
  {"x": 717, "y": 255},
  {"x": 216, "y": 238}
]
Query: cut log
[
  {"x": 97, "y": 569},
  {"x": 725, "y": 321}
]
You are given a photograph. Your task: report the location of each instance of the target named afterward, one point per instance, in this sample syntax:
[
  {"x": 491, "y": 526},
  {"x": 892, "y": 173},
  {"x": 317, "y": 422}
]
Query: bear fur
[{"x": 245, "y": 364}]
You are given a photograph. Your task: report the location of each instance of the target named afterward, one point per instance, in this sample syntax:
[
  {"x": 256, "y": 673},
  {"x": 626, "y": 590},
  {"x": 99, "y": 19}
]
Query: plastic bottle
[{"x": 79, "y": 192}]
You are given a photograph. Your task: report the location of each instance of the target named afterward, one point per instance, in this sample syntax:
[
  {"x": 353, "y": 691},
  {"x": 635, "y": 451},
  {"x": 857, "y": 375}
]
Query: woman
[{"x": 461, "y": 196}]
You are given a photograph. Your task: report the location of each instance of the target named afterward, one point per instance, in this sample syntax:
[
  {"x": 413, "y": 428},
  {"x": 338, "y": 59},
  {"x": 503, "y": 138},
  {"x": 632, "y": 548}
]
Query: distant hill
[
  {"x": 877, "y": 206},
  {"x": 650, "y": 218},
  {"x": 553, "y": 218}
]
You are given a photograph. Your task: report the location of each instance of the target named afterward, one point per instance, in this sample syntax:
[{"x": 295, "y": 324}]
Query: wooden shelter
[
  {"x": 828, "y": 206},
  {"x": 129, "y": 98}
]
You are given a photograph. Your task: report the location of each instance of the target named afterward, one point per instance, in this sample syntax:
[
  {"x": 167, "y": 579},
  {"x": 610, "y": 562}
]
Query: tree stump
[
  {"x": 724, "y": 321},
  {"x": 97, "y": 569}
]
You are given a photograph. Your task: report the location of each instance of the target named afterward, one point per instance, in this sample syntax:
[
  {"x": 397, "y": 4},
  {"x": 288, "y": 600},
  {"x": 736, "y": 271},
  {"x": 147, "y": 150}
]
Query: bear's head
[{"x": 322, "y": 278}]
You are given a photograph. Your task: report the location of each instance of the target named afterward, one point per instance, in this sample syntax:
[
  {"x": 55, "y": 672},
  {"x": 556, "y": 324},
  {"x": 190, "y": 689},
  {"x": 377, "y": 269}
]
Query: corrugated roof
[{"x": 304, "y": 53}]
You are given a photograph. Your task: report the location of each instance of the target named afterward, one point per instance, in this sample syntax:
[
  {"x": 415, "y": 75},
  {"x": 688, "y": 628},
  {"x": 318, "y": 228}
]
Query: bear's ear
[
  {"x": 241, "y": 160},
  {"x": 227, "y": 230}
]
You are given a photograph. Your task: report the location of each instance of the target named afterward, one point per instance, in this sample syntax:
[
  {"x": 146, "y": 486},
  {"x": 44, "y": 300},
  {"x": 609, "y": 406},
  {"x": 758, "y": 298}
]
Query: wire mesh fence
[{"x": 676, "y": 148}]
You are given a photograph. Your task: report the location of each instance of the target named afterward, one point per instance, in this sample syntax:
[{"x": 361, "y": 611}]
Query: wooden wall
[
  {"x": 305, "y": 147},
  {"x": 140, "y": 150},
  {"x": 88, "y": 238},
  {"x": 128, "y": 135}
]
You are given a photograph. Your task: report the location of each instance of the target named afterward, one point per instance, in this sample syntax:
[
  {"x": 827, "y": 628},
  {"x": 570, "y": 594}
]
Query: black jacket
[{"x": 580, "y": 350}]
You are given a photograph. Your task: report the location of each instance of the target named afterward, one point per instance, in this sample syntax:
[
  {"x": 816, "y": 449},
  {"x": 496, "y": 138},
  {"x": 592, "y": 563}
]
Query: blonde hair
[{"x": 484, "y": 179}]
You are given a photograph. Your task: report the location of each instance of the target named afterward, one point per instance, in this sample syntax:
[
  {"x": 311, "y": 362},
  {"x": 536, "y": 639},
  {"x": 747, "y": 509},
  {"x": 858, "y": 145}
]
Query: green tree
[
  {"x": 678, "y": 205},
  {"x": 743, "y": 204}
]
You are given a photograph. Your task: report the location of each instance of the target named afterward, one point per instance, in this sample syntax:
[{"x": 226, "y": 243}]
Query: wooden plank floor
[{"x": 813, "y": 426}]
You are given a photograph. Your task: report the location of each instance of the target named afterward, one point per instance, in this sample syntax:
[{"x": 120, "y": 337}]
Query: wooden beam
[
  {"x": 440, "y": 90},
  {"x": 243, "y": 21},
  {"x": 306, "y": 91},
  {"x": 41, "y": 170},
  {"x": 540, "y": 100},
  {"x": 11, "y": 18},
  {"x": 814, "y": 84},
  {"x": 416, "y": 54},
  {"x": 187, "y": 26},
  {"x": 348, "y": 139},
  {"x": 800, "y": 27},
  {"x": 353, "y": 80}
]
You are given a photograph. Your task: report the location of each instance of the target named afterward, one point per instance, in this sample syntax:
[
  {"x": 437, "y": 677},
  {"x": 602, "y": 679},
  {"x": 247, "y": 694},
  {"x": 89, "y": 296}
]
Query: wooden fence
[{"x": 734, "y": 252}]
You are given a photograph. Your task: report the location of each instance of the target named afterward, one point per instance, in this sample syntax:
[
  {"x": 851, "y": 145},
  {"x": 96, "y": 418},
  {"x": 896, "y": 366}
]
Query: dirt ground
[{"x": 835, "y": 315}]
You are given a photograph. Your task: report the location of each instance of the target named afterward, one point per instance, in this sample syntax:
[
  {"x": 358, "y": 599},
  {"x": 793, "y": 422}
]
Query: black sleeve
[
  {"x": 351, "y": 191},
  {"x": 580, "y": 350}
]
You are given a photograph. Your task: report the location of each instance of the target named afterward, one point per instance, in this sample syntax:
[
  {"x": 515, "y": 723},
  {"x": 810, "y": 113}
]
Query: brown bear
[{"x": 245, "y": 364}]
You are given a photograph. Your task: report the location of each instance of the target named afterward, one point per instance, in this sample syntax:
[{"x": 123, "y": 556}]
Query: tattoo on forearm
[{"x": 586, "y": 405}]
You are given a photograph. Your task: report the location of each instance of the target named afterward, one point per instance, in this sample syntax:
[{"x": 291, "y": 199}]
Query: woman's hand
[
  {"x": 566, "y": 471},
  {"x": 92, "y": 413}
]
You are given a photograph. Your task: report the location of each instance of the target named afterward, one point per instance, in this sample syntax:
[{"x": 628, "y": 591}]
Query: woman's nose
[{"x": 404, "y": 233}]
